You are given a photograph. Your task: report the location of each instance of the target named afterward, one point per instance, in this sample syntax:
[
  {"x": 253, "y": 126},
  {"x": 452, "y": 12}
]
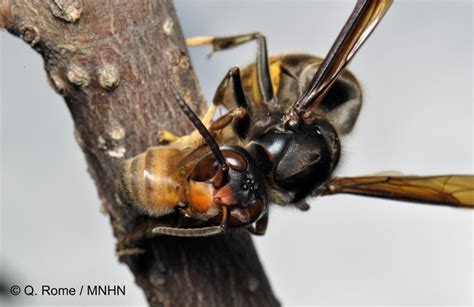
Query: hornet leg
[
  {"x": 263, "y": 67},
  {"x": 260, "y": 226}
]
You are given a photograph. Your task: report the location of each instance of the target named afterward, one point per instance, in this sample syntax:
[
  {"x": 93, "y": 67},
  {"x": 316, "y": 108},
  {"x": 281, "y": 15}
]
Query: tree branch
[{"x": 111, "y": 60}]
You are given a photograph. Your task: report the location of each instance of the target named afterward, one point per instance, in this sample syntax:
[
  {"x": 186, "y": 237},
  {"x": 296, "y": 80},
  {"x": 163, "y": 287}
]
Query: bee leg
[
  {"x": 260, "y": 226},
  {"x": 128, "y": 252},
  {"x": 127, "y": 245},
  {"x": 263, "y": 67},
  {"x": 165, "y": 136},
  {"x": 237, "y": 103},
  {"x": 226, "y": 119},
  {"x": 207, "y": 118},
  {"x": 238, "y": 116}
]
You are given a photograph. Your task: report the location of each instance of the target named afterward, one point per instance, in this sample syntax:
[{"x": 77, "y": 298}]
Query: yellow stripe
[{"x": 275, "y": 70}]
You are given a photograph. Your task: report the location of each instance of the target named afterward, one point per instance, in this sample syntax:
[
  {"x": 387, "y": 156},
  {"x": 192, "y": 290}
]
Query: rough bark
[{"x": 111, "y": 61}]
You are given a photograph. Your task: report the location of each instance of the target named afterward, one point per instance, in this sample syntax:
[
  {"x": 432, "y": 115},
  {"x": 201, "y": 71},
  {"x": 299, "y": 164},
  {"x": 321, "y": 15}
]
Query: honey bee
[
  {"x": 286, "y": 115},
  {"x": 220, "y": 185}
]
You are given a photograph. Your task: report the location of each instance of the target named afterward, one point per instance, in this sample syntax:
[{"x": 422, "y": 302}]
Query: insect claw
[
  {"x": 302, "y": 205},
  {"x": 210, "y": 54}
]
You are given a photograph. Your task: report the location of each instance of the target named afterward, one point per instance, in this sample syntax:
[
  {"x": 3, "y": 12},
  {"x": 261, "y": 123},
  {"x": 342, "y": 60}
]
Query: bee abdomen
[{"x": 146, "y": 183}]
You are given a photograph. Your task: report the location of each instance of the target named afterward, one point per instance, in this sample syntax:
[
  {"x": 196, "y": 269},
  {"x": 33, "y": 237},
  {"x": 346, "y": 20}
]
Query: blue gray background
[{"x": 416, "y": 71}]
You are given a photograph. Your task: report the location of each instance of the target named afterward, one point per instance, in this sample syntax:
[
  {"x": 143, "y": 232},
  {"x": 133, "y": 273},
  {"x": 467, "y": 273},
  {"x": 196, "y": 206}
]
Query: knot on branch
[{"x": 68, "y": 10}]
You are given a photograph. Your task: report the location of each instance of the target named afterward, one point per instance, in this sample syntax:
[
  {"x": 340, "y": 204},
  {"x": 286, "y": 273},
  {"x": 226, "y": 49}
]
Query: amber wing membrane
[{"x": 450, "y": 190}]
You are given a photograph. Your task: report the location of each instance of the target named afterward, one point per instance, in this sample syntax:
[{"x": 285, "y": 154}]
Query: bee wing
[
  {"x": 189, "y": 156},
  {"x": 450, "y": 190},
  {"x": 361, "y": 23}
]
